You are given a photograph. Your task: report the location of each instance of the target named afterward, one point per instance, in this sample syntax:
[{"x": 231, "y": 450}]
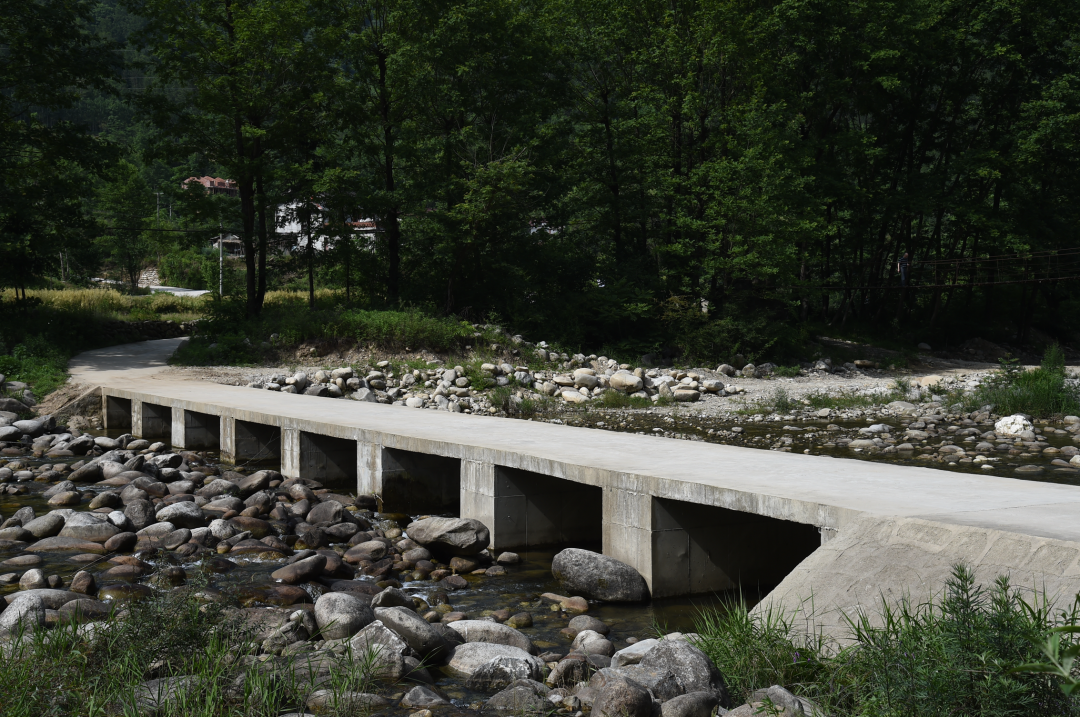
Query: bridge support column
[
  {"x": 369, "y": 471},
  {"x": 227, "y": 440},
  {"x": 628, "y": 530},
  {"x": 179, "y": 428},
  {"x": 290, "y": 452},
  {"x": 136, "y": 418}
]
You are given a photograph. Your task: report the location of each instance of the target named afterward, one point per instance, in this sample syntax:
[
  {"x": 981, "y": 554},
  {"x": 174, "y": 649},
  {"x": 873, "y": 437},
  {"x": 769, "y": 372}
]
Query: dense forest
[{"x": 698, "y": 176}]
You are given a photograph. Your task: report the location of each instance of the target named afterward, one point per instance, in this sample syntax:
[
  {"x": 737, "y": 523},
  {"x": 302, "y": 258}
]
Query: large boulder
[
  {"x": 26, "y": 612},
  {"x": 619, "y": 696},
  {"x": 675, "y": 667},
  {"x": 522, "y": 697},
  {"x": 450, "y": 536},
  {"x": 692, "y": 704},
  {"x": 502, "y": 671},
  {"x": 493, "y": 632},
  {"x": 598, "y": 577},
  {"x": 88, "y": 526},
  {"x": 46, "y": 526},
  {"x": 465, "y": 660},
  {"x": 341, "y": 615},
  {"x": 184, "y": 514},
  {"x": 413, "y": 629}
]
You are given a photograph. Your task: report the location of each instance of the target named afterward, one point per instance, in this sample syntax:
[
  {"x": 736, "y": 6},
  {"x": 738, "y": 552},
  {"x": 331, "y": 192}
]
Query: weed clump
[{"x": 953, "y": 655}]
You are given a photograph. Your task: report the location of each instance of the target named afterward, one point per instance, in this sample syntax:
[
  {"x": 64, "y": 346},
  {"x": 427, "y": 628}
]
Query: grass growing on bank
[
  {"x": 1041, "y": 392},
  {"x": 954, "y": 655},
  {"x": 67, "y": 671}
]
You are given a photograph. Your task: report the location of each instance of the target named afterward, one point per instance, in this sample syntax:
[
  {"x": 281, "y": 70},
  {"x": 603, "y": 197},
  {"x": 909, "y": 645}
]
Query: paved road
[{"x": 127, "y": 362}]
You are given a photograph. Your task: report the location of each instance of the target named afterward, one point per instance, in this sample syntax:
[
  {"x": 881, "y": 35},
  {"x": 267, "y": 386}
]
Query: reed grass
[{"x": 954, "y": 654}]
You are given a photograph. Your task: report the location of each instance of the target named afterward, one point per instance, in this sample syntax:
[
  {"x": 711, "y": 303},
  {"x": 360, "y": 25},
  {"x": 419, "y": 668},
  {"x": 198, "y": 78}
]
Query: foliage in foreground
[
  {"x": 68, "y": 671},
  {"x": 954, "y": 655}
]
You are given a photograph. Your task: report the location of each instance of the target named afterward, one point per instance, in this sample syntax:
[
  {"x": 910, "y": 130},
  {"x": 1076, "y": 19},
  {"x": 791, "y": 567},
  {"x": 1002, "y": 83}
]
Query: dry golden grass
[{"x": 111, "y": 304}]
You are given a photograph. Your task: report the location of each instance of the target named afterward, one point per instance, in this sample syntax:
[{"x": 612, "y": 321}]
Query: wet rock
[
  {"x": 692, "y": 704},
  {"x": 257, "y": 527},
  {"x": 568, "y": 672},
  {"x": 344, "y": 701},
  {"x": 327, "y": 512},
  {"x": 502, "y": 671},
  {"x": 492, "y": 632},
  {"x": 46, "y": 526},
  {"x": 413, "y": 629},
  {"x": 421, "y": 696},
  {"x": 65, "y": 545},
  {"x": 371, "y": 550},
  {"x": 466, "y": 659},
  {"x": 33, "y": 579},
  {"x": 108, "y": 499},
  {"x": 508, "y": 559},
  {"x": 121, "y": 543},
  {"x": 520, "y": 620},
  {"x": 182, "y": 515},
  {"x": 83, "y": 582},
  {"x": 301, "y": 571},
  {"x": 340, "y": 615},
  {"x": 26, "y": 611},
  {"x": 589, "y": 642},
  {"x": 450, "y": 536},
  {"x": 85, "y": 609},
  {"x": 521, "y": 697},
  {"x": 598, "y": 577},
  {"x": 392, "y": 597},
  {"x": 88, "y": 526},
  {"x": 633, "y": 654},
  {"x": 140, "y": 513},
  {"x": 619, "y": 696},
  {"x": 675, "y": 667},
  {"x": 125, "y": 592},
  {"x": 582, "y": 623},
  {"x": 21, "y": 562}
]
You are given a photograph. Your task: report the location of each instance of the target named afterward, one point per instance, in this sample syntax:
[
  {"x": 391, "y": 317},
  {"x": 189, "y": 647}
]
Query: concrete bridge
[{"x": 692, "y": 517}]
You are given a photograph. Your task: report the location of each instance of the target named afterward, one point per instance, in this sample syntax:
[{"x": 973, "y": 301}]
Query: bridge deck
[{"x": 649, "y": 492}]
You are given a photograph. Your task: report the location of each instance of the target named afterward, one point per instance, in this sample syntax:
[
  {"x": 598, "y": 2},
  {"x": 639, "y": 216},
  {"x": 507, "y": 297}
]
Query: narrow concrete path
[{"x": 126, "y": 362}]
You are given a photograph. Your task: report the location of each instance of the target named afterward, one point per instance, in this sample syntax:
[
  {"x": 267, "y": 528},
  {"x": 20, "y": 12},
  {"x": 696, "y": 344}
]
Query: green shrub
[
  {"x": 1042, "y": 392},
  {"x": 950, "y": 656}
]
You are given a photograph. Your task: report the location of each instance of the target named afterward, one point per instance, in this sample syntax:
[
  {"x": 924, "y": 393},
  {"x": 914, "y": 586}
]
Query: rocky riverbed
[{"x": 318, "y": 576}]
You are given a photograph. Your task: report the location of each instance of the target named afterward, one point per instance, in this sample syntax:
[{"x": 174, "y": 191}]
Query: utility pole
[
  {"x": 158, "y": 196},
  {"x": 221, "y": 261}
]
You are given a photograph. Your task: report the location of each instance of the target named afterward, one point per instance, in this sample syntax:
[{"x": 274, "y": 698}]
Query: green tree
[
  {"x": 242, "y": 84},
  {"x": 127, "y": 206},
  {"x": 48, "y": 57}
]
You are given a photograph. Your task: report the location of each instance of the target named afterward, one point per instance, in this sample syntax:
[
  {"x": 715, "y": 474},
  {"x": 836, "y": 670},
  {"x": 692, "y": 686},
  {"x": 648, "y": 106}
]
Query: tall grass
[
  {"x": 953, "y": 655},
  {"x": 68, "y": 671},
  {"x": 1044, "y": 391},
  {"x": 111, "y": 304}
]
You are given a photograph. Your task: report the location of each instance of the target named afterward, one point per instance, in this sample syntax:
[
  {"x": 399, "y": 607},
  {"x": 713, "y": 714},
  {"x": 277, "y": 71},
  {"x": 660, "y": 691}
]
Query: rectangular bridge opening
[
  {"x": 156, "y": 421},
  {"x": 258, "y": 442},
  {"x": 331, "y": 461},
  {"x": 420, "y": 482},
  {"x": 534, "y": 510},
  {"x": 201, "y": 430},
  {"x": 117, "y": 412},
  {"x": 700, "y": 548}
]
